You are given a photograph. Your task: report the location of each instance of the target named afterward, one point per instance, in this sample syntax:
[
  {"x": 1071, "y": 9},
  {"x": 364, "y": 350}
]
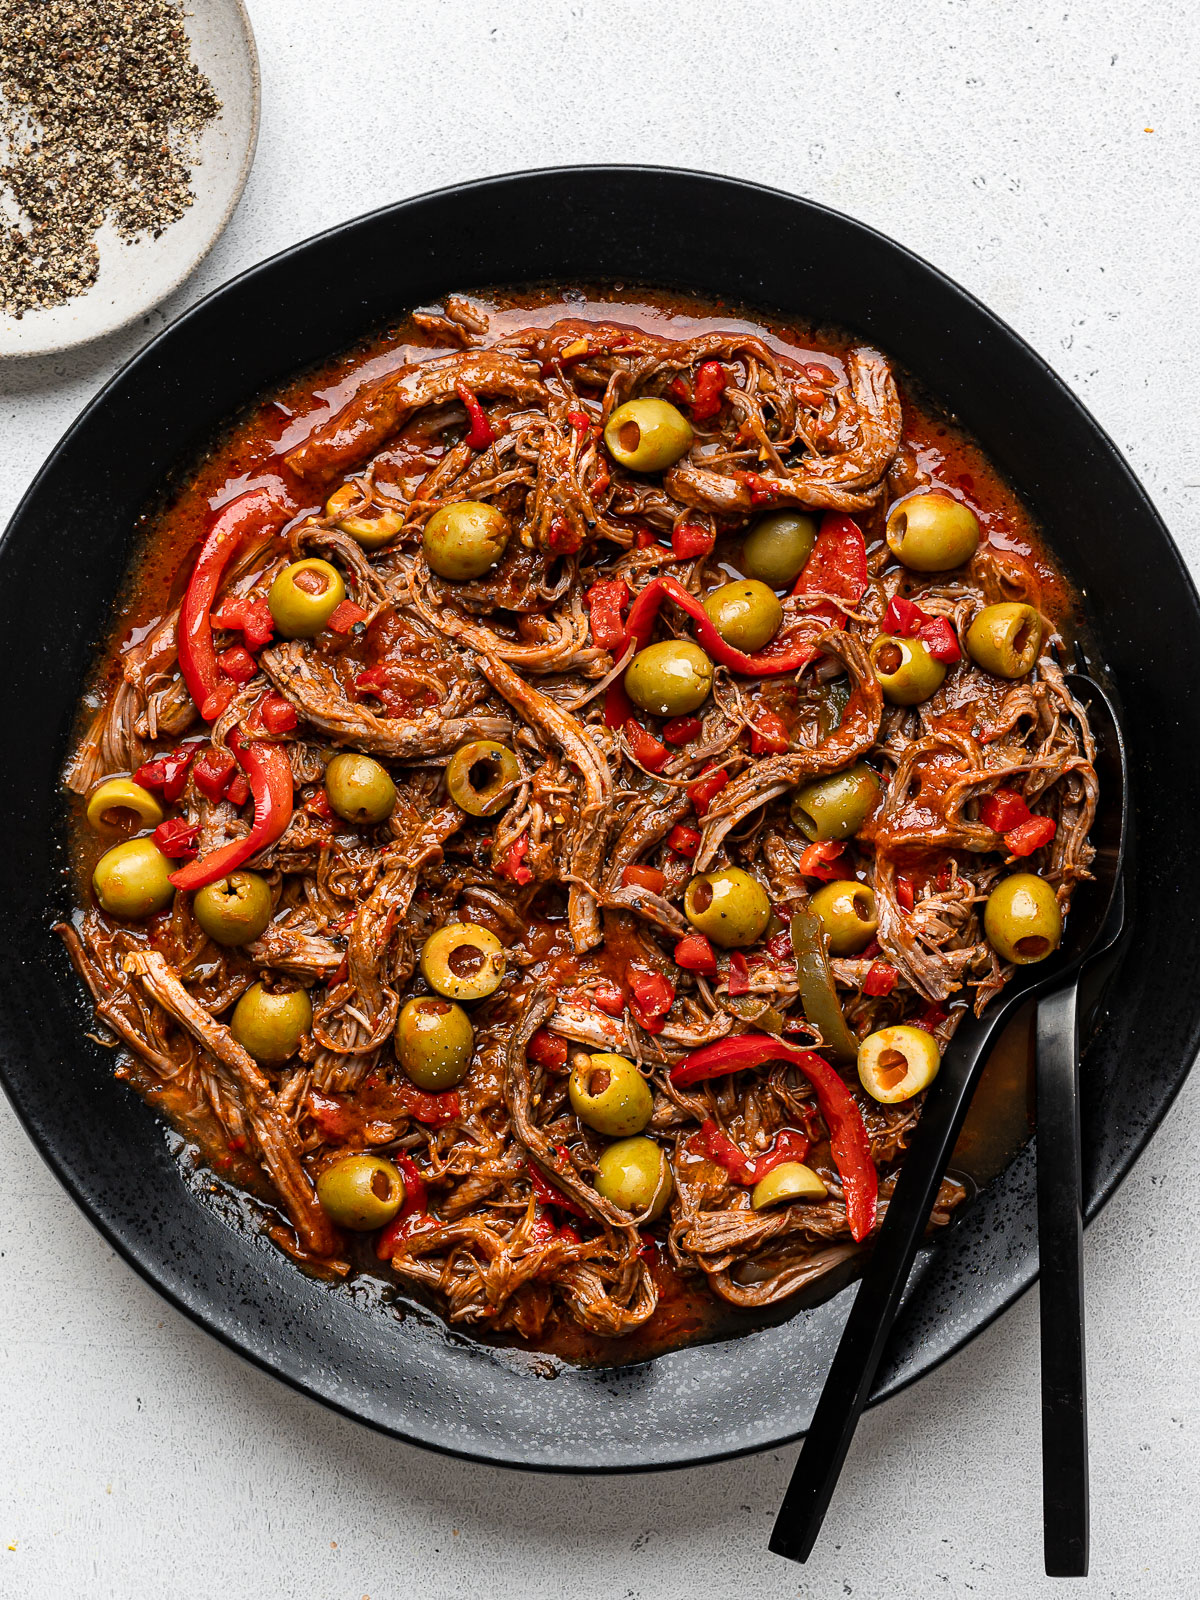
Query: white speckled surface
[{"x": 138, "y": 1457}]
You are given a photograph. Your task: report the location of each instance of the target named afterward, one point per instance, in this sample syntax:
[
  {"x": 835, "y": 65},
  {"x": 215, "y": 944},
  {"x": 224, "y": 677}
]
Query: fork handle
[{"x": 1060, "y": 1246}]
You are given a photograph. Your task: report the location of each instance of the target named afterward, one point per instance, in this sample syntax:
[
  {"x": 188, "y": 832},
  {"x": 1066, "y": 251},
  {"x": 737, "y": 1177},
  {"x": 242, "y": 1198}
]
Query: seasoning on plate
[{"x": 101, "y": 107}]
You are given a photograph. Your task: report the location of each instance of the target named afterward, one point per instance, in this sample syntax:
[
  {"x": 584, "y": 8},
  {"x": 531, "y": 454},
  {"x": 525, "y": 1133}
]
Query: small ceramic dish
[{"x": 136, "y": 276}]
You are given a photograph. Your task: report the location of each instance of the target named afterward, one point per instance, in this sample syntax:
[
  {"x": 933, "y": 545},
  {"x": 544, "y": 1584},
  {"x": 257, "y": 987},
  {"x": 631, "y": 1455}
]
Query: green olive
[
  {"x": 1022, "y": 919},
  {"x": 931, "y": 531},
  {"x": 647, "y": 435},
  {"x": 1005, "y": 639},
  {"x": 234, "y": 910},
  {"x": 270, "y": 1023},
  {"x": 836, "y": 807},
  {"x": 371, "y": 532},
  {"x": 133, "y": 879},
  {"x": 361, "y": 1192},
  {"x": 906, "y": 671},
  {"x": 304, "y": 596},
  {"x": 610, "y": 1095},
  {"x": 847, "y": 912},
  {"x": 463, "y": 961},
  {"x": 746, "y": 614},
  {"x": 669, "y": 678},
  {"x": 119, "y": 804},
  {"x": 897, "y": 1063},
  {"x": 359, "y": 789},
  {"x": 636, "y": 1175},
  {"x": 730, "y": 907},
  {"x": 777, "y": 547},
  {"x": 480, "y": 777},
  {"x": 465, "y": 540},
  {"x": 791, "y": 1180},
  {"x": 435, "y": 1042}
]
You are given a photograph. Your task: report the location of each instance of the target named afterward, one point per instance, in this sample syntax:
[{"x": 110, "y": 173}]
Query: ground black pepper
[{"x": 100, "y": 109}]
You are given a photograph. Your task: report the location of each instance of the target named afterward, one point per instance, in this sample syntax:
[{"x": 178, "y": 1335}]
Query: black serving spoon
[{"x": 877, "y": 1301}]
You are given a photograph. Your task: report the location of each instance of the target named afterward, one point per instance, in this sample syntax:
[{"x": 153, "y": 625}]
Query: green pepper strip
[
  {"x": 817, "y": 993},
  {"x": 848, "y": 1140}
]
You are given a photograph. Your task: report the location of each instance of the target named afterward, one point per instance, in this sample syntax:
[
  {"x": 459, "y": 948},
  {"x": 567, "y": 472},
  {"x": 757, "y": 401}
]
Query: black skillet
[{"x": 62, "y": 561}]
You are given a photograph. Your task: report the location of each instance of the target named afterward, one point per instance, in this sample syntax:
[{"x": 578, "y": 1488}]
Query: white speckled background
[{"x": 1010, "y": 145}]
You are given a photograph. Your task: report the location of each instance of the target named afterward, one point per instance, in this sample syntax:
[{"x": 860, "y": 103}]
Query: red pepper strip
[
  {"x": 605, "y": 601},
  {"x": 549, "y": 1194},
  {"x": 237, "y": 663},
  {"x": 512, "y": 862},
  {"x": 413, "y": 1208},
  {"x": 847, "y": 1135},
  {"x": 769, "y": 735},
  {"x": 168, "y": 774},
  {"x": 702, "y": 792},
  {"x": 213, "y": 771},
  {"x": 788, "y": 1145},
  {"x": 549, "y": 1050},
  {"x": 931, "y": 1017},
  {"x": 645, "y": 748},
  {"x": 481, "y": 433},
  {"x": 609, "y": 998},
  {"x": 1003, "y": 810},
  {"x": 1030, "y": 836},
  {"x": 432, "y": 1110},
  {"x": 644, "y": 878},
  {"x": 683, "y": 841},
  {"x": 645, "y": 609},
  {"x": 939, "y": 638},
  {"x": 254, "y": 512},
  {"x": 345, "y": 617},
  {"x": 177, "y": 838},
  {"x": 678, "y": 389},
  {"x": 681, "y": 730},
  {"x": 720, "y": 1149},
  {"x": 695, "y": 954},
  {"x": 905, "y": 893},
  {"x": 689, "y": 540},
  {"x": 903, "y": 619},
  {"x": 270, "y": 774},
  {"x": 651, "y": 997},
  {"x": 580, "y": 422},
  {"x": 880, "y": 979},
  {"x": 738, "y": 980},
  {"x": 823, "y": 860},
  {"x": 707, "y": 390}
]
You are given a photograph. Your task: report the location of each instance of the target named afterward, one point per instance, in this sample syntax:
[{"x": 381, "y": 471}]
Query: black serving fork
[{"x": 865, "y": 1335}]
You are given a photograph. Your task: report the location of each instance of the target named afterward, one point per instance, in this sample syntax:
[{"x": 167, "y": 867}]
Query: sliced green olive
[
  {"x": 897, "y": 1063},
  {"x": 361, "y": 1192},
  {"x": 931, "y": 531},
  {"x": 234, "y": 910},
  {"x": 133, "y": 880},
  {"x": 848, "y": 915},
  {"x": 791, "y": 1180},
  {"x": 119, "y": 804},
  {"x": 836, "y": 807},
  {"x": 465, "y": 540},
  {"x": 906, "y": 671},
  {"x": 435, "y": 1042},
  {"x": 463, "y": 961},
  {"x": 480, "y": 776},
  {"x": 669, "y": 678},
  {"x": 359, "y": 789},
  {"x": 729, "y": 907},
  {"x": 610, "y": 1095},
  {"x": 777, "y": 547},
  {"x": 270, "y": 1023},
  {"x": 1005, "y": 639},
  {"x": 647, "y": 435},
  {"x": 304, "y": 596},
  {"x": 1022, "y": 919},
  {"x": 372, "y": 532},
  {"x": 636, "y": 1175},
  {"x": 746, "y": 614}
]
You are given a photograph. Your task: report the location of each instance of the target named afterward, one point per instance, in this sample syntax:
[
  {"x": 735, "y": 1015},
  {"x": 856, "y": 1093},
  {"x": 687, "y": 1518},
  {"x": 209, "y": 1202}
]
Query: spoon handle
[
  {"x": 877, "y": 1301},
  {"x": 1060, "y": 1245}
]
